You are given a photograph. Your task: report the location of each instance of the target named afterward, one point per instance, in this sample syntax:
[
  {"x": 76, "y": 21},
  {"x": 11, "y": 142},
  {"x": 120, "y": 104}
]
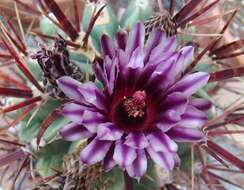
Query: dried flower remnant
[
  {"x": 55, "y": 63},
  {"x": 132, "y": 119},
  {"x": 169, "y": 23},
  {"x": 77, "y": 175},
  {"x": 162, "y": 20}
]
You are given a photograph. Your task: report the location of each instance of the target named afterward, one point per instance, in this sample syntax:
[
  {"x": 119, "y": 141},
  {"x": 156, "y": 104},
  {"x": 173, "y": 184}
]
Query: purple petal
[
  {"x": 107, "y": 66},
  {"x": 91, "y": 120},
  {"x": 187, "y": 54},
  {"x": 139, "y": 167},
  {"x": 136, "y": 59},
  {"x": 85, "y": 93},
  {"x": 108, "y": 131},
  {"x": 123, "y": 154},
  {"x": 123, "y": 68},
  {"x": 165, "y": 60},
  {"x": 136, "y": 38},
  {"x": 92, "y": 95},
  {"x": 107, "y": 46},
  {"x": 88, "y": 91},
  {"x": 191, "y": 83},
  {"x": 95, "y": 151},
  {"x": 113, "y": 75},
  {"x": 145, "y": 75},
  {"x": 99, "y": 72},
  {"x": 201, "y": 104},
  {"x": 163, "y": 159},
  {"x": 193, "y": 117},
  {"x": 185, "y": 134},
  {"x": 160, "y": 142},
  {"x": 154, "y": 39},
  {"x": 73, "y": 132},
  {"x": 176, "y": 160},
  {"x": 176, "y": 101},
  {"x": 123, "y": 60},
  {"x": 170, "y": 44},
  {"x": 164, "y": 75},
  {"x": 136, "y": 140},
  {"x": 74, "y": 112},
  {"x": 164, "y": 48},
  {"x": 121, "y": 38},
  {"x": 101, "y": 101},
  {"x": 167, "y": 120},
  {"x": 109, "y": 162},
  {"x": 161, "y": 77},
  {"x": 70, "y": 87}
]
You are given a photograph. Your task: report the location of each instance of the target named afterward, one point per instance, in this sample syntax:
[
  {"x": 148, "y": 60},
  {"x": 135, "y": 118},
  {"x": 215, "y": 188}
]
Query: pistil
[{"x": 135, "y": 105}]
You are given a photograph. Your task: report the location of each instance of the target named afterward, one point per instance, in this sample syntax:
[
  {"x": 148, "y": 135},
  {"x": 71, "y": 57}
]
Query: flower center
[
  {"x": 132, "y": 110},
  {"x": 135, "y": 106}
]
